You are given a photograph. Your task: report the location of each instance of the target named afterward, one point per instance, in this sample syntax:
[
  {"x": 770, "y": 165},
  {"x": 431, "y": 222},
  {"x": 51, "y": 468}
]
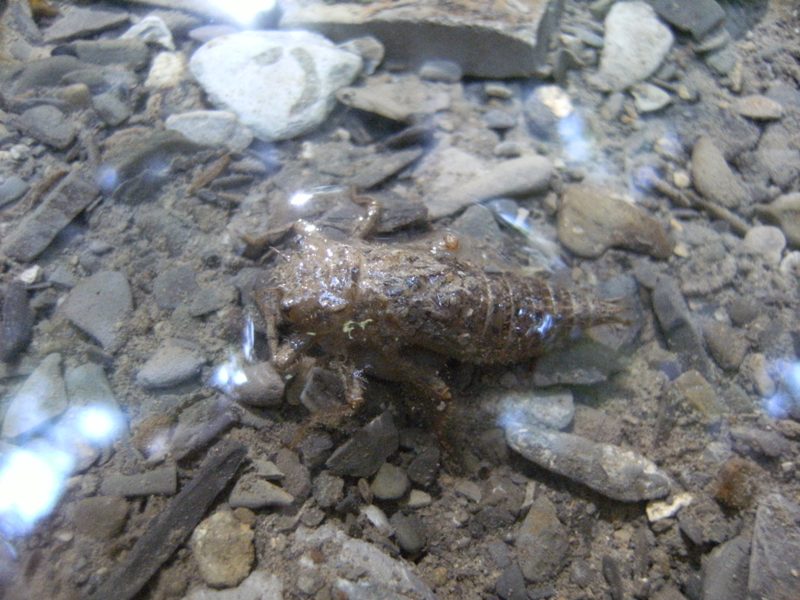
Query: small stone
[
  {"x": 593, "y": 219},
  {"x": 523, "y": 175},
  {"x": 151, "y": 29},
  {"x": 174, "y": 362},
  {"x": 167, "y": 70},
  {"x": 48, "y": 125},
  {"x": 132, "y": 53},
  {"x": 424, "y": 469},
  {"x": 259, "y": 585},
  {"x": 649, "y": 98},
  {"x": 390, "y": 483},
  {"x": 765, "y": 241},
  {"x": 409, "y": 533},
  {"x": 541, "y": 542},
  {"x": 198, "y": 425},
  {"x": 78, "y": 22},
  {"x": 364, "y": 453},
  {"x": 703, "y": 522},
  {"x": 174, "y": 286},
  {"x": 727, "y": 346},
  {"x": 758, "y": 108},
  {"x": 215, "y": 128},
  {"x": 774, "y": 551},
  {"x": 328, "y": 489},
  {"x": 262, "y": 386},
  {"x": 16, "y": 321},
  {"x": 377, "y": 518},
  {"x": 554, "y": 409},
  {"x": 658, "y": 510},
  {"x": 246, "y": 72},
  {"x": 296, "y": 477},
  {"x": 635, "y": 44},
  {"x": 713, "y": 177},
  {"x": 723, "y": 61},
  {"x": 785, "y": 212},
  {"x": 161, "y": 480},
  {"x": 252, "y": 491},
  {"x": 12, "y": 188},
  {"x": 725, "y": 570},
  {"x": 698, "y": 16},
  {"x": 112, "y": 107},
  {"x": 511, "y": 584},
  {"x": 223, "y": 548},
  {"x": 99, "y": 306},
  {"x": 691, "y": 387},
  {"x": 757, "y": 441},
  {"x": 369, "y": 48},
  {"x": 42, "y": 398},
  {"x": 614, "y": 472},
  {"x": 499, "y": 119},
  {"x": 440, "y": 70},
  {"x": 100, "y": 517},
  {"x": 469, "y": 490},
  {"x": 681, "y": 179},
  {"x": 418, "y": 499}
]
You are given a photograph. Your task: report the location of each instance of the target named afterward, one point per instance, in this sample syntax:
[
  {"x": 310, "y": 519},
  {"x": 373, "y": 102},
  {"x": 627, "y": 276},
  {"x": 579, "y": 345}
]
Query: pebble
[
  {"x": 42, "y": 398},
  {"x": 12, "y": 188},
  {"x": 635, "y": 44},
  {"x": 499, "y": 119},
  {"x": 692, "y": 388},
  {"x": 211, "y": 298},
  {"x": 390, "y": 482},
  {"x": 698, "y": 16},
  {"x": 153, "y": 30},
  {"x": 248, "y": 73},
  {"x": 727, "y": 346},
  {"x": 441, "y": 70},
  {"x": 364, "y": 453},
  {"x": 723, "y": 61},
  {"x": 553, "y": 408},
  {"x": 774, "y": 551},
  {"x": 713, "y": 177},
  {"x": 424, "y": 469},
  {"x": 610, "y": 470},
  {"x": 174, "y": 362},
  {"x": 418, "y": 499},
  {"x": 377, "y": 518},
  {"x": 758, "y": 108},
  {"x": 704, "y": 523},
  {"x": 756, "y": 368},
  {"x": 369, "y": 48},
  {"x": 328, "y": 489},
  {"x": 100, "y": 517},
  {"x": 381, "y": 576},
  {"x": 760, "y": 442},
  {"x": 131, "y": 53},
  {"x": 785, "y": 212},
  {"x": 77, "y": 22},
  {"x": 16, "y": 321},
  {"x": 112, "y": 107},
  {"x": 161, "y": 481},
  {"x": 214, "y": 128},
  {"x": 725, "y": 570},
  {"x": 263, "y": 385},
  {"x": 254, "y": 492},
  {"x": 675, "y": 321},
  {"x": 223, "y": 549},
  {"x": 175, "y": 286},
  {"x": 523, "y": 175},
  {"x": 541, "y": 542},
  {"x": 48, "y": 125},
  {"x": 511, "y": 584},
  {"x": 259, "y": 585},
  {"x": 404, "y": 101},
  {"x": 767, "y": 242},
  {"x": 649, "y": 98},
  {"x": 409, "y": 533},
  {"x": 658, "y": 510},
  {"x": 296, "y": 476},
  {"x": 167, "y": 70},
  {"x": 592, "y": 219},
  {"x": 99, "y": 306},
  {"x": 198, "y": 425}
]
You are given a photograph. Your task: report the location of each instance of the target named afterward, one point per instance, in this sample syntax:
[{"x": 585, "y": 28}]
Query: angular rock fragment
[
  {"x": 713, "y": 177},
  {"x": 62, "y": 204},
  {"x": 518, "y": 33},
  {"x": 99, "y": 305},
  {"x": 610, "y": 470},
  {"x": 364, "y": 453},
  {"x": 775, "y": 548},
  {"x": 696, "y": 16},
  {"x": 541, "y": 542},
  {"x": 41, "y": 398},
  {"x": 16, "y": 321}
]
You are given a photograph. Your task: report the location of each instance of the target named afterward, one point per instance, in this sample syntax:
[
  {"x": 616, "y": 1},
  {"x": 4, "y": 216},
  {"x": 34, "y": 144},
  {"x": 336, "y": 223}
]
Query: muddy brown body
[{"x": 353, "y": 299}]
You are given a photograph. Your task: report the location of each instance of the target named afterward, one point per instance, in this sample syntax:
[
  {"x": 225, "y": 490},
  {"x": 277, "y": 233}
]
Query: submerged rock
[
  {"x": 41, "y": 398},
  {"x": 613, "y": 471},
  {"x": 281, "y": 84}
]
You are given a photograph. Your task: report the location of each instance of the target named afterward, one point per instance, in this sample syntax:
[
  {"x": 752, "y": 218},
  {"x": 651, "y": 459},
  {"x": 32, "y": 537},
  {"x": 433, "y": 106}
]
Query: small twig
[{"x": 689, "y": 199}]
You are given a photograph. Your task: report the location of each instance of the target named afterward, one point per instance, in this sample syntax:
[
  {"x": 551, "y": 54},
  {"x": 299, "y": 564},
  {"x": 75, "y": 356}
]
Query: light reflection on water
[
  {"x": 33, "y": 477},
  {"x": 786, "y": 399}
]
